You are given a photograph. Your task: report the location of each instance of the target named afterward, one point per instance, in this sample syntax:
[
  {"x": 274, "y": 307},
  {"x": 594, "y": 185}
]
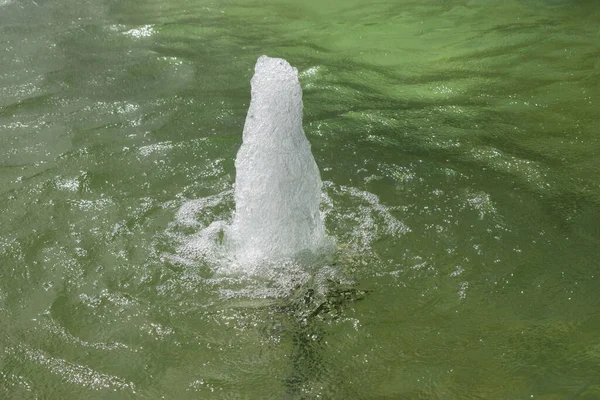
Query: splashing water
[{"x": 278, "y": 185}]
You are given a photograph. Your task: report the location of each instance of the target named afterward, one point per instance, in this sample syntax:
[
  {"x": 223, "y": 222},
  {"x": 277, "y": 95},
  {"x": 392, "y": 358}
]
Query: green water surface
[{"x": 458, "y": 142}]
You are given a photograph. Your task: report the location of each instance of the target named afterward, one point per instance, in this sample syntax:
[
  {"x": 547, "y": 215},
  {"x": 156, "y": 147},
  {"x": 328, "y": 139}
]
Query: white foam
[
  {"x": 155, "y": 148},
  {"x": 278, "y": 184},
  {"x": 275, "y": 239},
  {"x": 141, "y": 32},
  {"x": 69, "y": 185},
  {"x": 372, "y": 220}
]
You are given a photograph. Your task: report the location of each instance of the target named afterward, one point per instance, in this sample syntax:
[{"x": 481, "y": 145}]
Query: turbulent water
[
  {"x": 458, "y": 146},
  {"x": 277, "y": 182}
]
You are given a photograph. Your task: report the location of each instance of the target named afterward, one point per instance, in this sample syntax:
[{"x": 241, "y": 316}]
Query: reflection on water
[{"x": 457, "y": 142}]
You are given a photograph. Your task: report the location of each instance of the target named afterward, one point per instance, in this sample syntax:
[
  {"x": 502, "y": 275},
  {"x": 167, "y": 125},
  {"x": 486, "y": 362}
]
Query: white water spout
[{"x": 277, "y": 184}]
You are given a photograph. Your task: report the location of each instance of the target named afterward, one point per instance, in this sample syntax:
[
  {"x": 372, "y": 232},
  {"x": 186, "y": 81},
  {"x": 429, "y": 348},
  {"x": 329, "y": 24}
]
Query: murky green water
[{"x": 458, "y": 142}]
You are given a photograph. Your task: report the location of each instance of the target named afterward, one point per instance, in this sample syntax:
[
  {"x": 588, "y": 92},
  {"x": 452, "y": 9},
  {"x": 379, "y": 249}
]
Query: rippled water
[{"x": 458, "y": 144}]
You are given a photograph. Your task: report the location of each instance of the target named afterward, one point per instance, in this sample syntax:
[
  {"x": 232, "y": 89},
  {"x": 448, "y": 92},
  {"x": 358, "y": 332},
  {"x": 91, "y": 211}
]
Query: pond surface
[{"x": 458, "y": 142}]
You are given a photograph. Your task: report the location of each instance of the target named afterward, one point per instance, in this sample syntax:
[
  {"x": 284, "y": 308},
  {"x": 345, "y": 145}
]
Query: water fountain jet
[{"x": 278, "y": 184}]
